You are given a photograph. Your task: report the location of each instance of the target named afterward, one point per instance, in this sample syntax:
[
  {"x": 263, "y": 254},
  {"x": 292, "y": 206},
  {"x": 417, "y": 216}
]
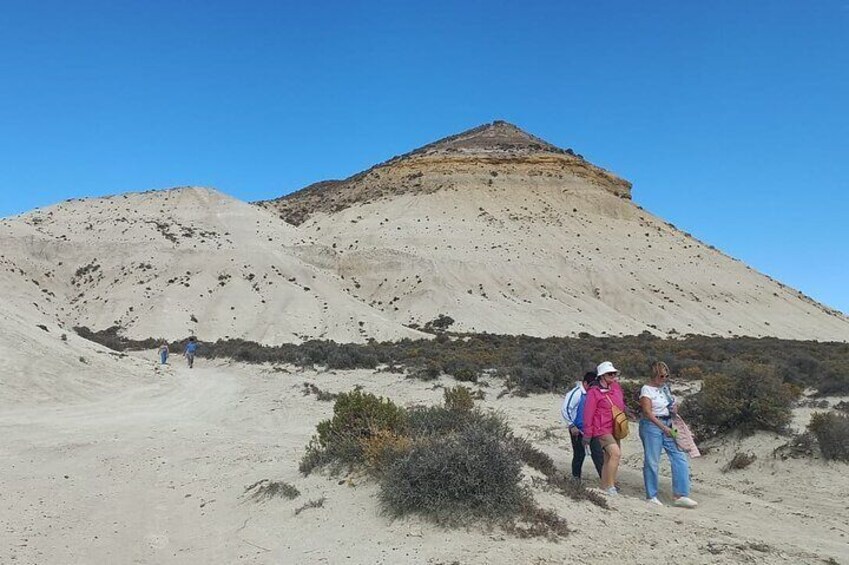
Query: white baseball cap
[{"x": 606, "y": 367}]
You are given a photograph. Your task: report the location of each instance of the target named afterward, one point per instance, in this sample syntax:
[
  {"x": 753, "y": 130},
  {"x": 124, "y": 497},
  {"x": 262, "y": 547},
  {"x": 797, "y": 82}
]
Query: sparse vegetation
[
  {"x": 533, "y": 365},
  {"x": 317, "y": 503},
  {"x": 832, "y": 432},
  {"x": 310, "y": 388},
  {"x": 267, "y": 489},
  {"x": 451, "y": 464}
]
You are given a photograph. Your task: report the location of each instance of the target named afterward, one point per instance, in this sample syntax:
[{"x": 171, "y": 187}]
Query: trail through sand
[{"x": 157, "y": 474}]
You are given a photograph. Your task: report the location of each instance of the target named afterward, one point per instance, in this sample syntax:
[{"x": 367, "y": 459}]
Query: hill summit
[
  {"x": 507, "y": 233},
  {"x": 481, "y": 153}
]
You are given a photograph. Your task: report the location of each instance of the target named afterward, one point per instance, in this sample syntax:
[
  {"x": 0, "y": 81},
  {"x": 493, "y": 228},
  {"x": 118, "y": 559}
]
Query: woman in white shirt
[{"x": 656, "y": 433}]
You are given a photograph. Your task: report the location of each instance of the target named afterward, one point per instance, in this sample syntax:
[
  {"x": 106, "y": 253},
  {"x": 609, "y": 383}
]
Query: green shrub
[
  {"x": 439, "y": 421},
  {"x": 357, "y": 416},
  {"x": 474, "y": 472},
  {"x": 459, "y": 399},
  {"x": 748, "y": 397},
  {"x": 832, "y": 432}
]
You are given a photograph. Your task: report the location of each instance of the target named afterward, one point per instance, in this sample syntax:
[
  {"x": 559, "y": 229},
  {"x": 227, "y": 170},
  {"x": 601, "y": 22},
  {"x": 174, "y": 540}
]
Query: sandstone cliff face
[{"x": 472, "y": 159}]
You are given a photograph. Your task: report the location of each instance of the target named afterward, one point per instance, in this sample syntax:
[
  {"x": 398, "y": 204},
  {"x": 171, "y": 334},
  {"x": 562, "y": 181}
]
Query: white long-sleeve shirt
[{"x": 569, "y": 410}]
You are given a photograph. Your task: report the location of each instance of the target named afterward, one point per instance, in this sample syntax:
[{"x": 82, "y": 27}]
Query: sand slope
[{"x": 172, "y": 263}]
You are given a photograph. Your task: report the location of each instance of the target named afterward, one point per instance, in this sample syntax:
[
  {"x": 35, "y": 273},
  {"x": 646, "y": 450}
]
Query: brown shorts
[{"x": 607, "y": 439}]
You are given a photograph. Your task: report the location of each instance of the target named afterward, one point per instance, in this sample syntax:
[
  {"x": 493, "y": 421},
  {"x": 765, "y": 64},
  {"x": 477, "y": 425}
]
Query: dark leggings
[{"x": 578, "y": 454}]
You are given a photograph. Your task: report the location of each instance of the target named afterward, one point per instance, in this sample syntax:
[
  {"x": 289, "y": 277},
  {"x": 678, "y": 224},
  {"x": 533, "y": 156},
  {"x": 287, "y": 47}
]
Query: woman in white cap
[
  {"x": 657, "y": 434},
  {"x": 598, "y": 422}
]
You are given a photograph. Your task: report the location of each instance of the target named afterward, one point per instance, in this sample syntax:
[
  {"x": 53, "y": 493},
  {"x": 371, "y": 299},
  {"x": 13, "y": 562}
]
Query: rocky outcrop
[{"x": 478, "y": 156}]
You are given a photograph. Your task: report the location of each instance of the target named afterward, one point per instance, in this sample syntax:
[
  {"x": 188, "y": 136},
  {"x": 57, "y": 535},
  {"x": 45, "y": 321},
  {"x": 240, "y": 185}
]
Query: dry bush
[
  {"x": 383, "y": 447},
  {"x": 543, "y": 463},
  {"x": 317, "y": 503},
  {"x": 473, "y": 473},
  {"x": 322, "y": 395},
  {"x": 739, "y": 461},
  {"x": 459, "y": 399},
  {"x": 749, "y": 398},
  {"x": 832, "y": 432},
  {"x": 797, "y": 447},
  {"x": 447, "y": 463},
  {"x": 266, "y": 489}
]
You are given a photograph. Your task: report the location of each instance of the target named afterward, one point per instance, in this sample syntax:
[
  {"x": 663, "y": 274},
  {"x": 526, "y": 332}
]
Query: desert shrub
[
  {"x": 543, "y": 463},
  {"x": 459, "y": 399},
  {"x": 427, "y": 373},
  {"x": 474, "y": 472},
  {"x": 739, "y": 461},
  {"x": 631, "y": 392},
  {"x": 535, "y": 458},
  {"x": 383, "y": 447},
  {"x": 430, "y": 421},
  {"x": 316, "y": 503},
  {"x": 747, "y": 398},
  {"x": 323, "y": 395},
  {"x": 797, "y": 447},
  {"x": 834, "y": 382},
  {"x": 439, "y": 324},
  {"x": 357, "y": 416},
  {"x": 531, "y": 365},
  {"x": 832, "y": 432},
  {"x": 266, "y": 489}
]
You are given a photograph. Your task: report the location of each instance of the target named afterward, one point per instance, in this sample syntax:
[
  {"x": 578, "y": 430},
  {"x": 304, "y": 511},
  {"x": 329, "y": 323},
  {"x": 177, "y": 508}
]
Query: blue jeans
[{"x": 654, "y": 441}]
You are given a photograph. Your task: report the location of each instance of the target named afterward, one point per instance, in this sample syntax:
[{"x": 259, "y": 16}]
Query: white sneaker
[
  {"x": 611, "y": 491},
  {"x": 685, "y": 502},
  {"x": 654, "y": 501}
]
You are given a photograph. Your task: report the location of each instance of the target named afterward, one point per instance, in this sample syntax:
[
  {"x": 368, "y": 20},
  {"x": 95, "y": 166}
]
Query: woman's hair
[
  {"x": 659, "y": 369},
  {"x": 590, "y": 378}
]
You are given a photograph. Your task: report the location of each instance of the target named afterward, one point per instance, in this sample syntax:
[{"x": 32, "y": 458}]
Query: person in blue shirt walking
[
  {"x": 191, "y": 349},
  {"x": 573, "y": 413},
  {"x": 163, "y": 353}
]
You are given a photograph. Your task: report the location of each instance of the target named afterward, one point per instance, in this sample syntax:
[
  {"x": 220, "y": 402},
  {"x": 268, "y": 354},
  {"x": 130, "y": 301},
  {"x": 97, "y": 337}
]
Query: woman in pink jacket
[{"x": 598, "y": 422}]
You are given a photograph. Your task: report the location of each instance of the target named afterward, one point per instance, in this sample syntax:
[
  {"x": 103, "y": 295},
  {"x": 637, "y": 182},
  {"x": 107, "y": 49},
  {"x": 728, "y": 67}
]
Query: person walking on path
[
  {"x": 599, "y": 423},
  {"x": 656, "y": 432},
  {"x": 163, "y": 353},
  {"x": 191, "y": 349},
  {"x": 573, "y": 413}
]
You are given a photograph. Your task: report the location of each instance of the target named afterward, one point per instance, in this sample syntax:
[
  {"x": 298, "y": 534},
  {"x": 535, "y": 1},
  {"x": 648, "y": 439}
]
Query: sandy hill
[
  {"x": 506, "y": 233},
  {"x": 178, "y": 262}
]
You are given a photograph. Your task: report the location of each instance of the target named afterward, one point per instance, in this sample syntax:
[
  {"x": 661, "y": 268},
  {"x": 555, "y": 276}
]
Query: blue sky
[{"x": 729, "y": 117}]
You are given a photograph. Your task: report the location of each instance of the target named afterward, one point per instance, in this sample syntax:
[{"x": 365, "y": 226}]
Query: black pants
[{"x": 578, "y": 454}]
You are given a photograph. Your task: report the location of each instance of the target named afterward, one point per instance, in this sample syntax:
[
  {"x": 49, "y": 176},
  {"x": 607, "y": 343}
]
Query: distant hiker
[
  {"x": 573, "y": 413},
  {"x": 163, "y": 353},
  {"x": 604, "y": 404},
  {"x": 656, "y": 432},
  {"x": 191, "y": 349}
]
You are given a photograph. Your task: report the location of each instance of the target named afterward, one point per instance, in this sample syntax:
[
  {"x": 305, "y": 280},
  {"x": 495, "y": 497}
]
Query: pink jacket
[{"x": 598, "y": 413}]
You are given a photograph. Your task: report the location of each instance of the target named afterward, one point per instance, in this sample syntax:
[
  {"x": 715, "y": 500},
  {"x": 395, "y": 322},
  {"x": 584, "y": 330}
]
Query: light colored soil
[{"x": 156, "y": 473}]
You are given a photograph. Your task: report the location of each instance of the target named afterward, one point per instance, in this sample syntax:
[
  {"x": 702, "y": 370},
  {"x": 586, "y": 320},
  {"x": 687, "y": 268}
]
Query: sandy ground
[{"x": 157, "y": 473}]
